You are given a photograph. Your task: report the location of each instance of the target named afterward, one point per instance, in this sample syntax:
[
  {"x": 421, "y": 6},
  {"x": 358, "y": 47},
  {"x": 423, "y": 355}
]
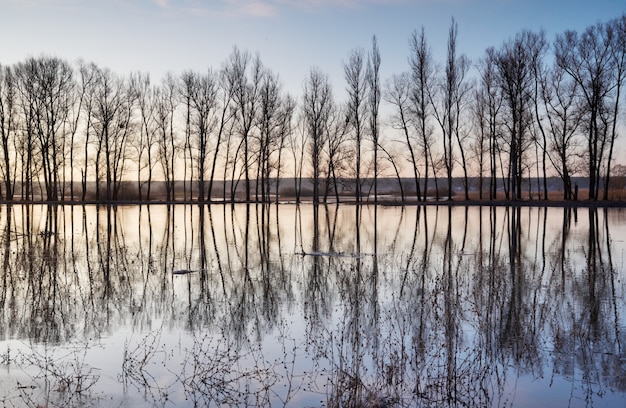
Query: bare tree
[
  {"x": 46, "y": 90},
  {"x": 74, "y": 124},
  {"x": 563, "y": 116},
  {"x": 146, "y": 96},
  {"x": 285, "y": 128},
  {"x": 269, "y": 125},
  {"x": 618, "y": 54},
  {"x": 224, "y": 123},
  {"x": 317, "y": 105},
  {"x": 185, "y": 91},
  {"x": 398, "y": 94},
  {"x": 536, "y": 48},
  {"x": 202, "y": 96},
  {"x": 515, "y": 80},
  {"x": 8, "y": 123},
  {"x": 111, "y": 124},
  {"x": 338, "y": 155},
  {"x": 422, "y": 70},
  {"x": 54, "y": 79},
  {"x": 355, "y": 75},
  {"x": 298, "y": 140},
  {"x": 26, "y": 141},
  {"x": 448, "y": 107},
  {"x": 88, "y": 75},
  {"x": 165, "y": 107},
  {"x": 373, "y": 80},
  {"x": 481, "y": 134},
  {"x": 491, "y": 97},
  {"x": 589, "y": 60},
  {"x": 244, "y": 74}
]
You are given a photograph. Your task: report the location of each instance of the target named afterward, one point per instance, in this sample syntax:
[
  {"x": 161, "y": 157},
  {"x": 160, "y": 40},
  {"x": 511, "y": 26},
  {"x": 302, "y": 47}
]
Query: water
[{"x": 304, "y": 306}]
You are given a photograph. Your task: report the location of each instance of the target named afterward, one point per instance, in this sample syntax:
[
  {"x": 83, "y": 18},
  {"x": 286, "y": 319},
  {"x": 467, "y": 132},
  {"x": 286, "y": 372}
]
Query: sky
[{"x": 291, "y": 36}]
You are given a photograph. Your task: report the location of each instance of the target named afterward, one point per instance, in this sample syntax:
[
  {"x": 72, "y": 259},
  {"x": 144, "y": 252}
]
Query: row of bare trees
[{"x": 533, "y": 109}]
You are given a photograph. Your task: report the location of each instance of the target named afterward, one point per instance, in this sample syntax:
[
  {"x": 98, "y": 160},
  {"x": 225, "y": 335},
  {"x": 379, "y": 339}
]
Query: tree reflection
[{"x": 417, "y": 306}]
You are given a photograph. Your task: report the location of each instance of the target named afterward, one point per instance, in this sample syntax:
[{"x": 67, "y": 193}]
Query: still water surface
[{"x": 312, "y": 306}]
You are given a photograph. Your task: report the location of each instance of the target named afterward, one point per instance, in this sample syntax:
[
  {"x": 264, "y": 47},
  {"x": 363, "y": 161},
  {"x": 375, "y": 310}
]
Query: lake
[{"x": 286, "y": 305}]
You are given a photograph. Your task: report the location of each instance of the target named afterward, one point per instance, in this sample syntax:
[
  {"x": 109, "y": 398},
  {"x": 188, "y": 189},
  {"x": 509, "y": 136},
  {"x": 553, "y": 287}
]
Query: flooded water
[{"x": 312, "y": 306}]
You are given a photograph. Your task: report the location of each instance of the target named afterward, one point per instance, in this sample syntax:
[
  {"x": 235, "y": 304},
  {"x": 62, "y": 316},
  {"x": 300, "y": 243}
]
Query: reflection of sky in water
[{"x": 447, "y": 309}]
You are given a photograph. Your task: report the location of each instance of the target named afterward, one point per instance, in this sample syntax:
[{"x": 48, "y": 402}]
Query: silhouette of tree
[
  {"x": 563, "y": 116},
  {"x": 373, "y": 81},
  {"x": 317, "y": 106},
  {"x": 447, "y": 107},
  {"x": 590, "y": 59},
  {"x": 283, "y": 130},
  {"x": 203, "y": 105},
  {"x": 338, "y": 156},
  {"x": 269, "y": 125},
  {"x": 398, "y": 94},
  {"x": 166, "y": 104},
  {"x": 537, "y": 48},
  {"x": 515, "y": 79},
  {"x": 244, "y": 73},
  {"x": 8, "y": 123},
  {"x": 145, "y": 141},
  {"x": 487, "y": 105},
  {"x": 422, "y": 75},
  {"x": 355, "y": 75},
  {"x": 26, "y": 143},
  {"x": 112, "y": 125},
  {"x": 224, "y": 126}
]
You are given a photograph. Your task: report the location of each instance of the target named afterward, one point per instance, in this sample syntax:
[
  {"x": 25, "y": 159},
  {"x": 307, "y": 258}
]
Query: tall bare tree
[
  {"x": 8, "y": 123},
  {"x": 563, "y": 116},
  {"x": 75, "y": 124},
  {"x": 202, "y": 96},
  {"x": 268, "y": 123},
  {"x": 398, "y": 93},
  {"x": 537, "y": 47},
  {"x": 112, "y": 125},
  {"x": 224, "y": 124},
  {"x": 46, "y": 89},
  {"x": 285, "y": 127},
  {"x": 589, "y": 59},
  {"x": 618, "y": 54},
  {"x": 185, "y": 91},
  {"x": 26, "y": 145},
  {"x": 298, "y": 141},
  {"x": 338, "y": 155},
  {"x": 88, "y": 74},
  {"x": 355, "y": 75},
  {"x": 490, "y": 96},
  {"x": 244, "y": 74},
  {"x": 448, "y": 106},
  {"x": 167, "y": 144},
  {"x": 317, "y": 105},
  {"x": 145, "y": 141},
  {"x": 481, "y": 135},
  {"x": 422, "y": 74},
  {"x": 373, "y": 80},
  {"x": 515, "y": 80}
]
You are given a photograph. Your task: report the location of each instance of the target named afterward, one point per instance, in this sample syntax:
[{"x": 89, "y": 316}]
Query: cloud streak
[{"x": 267, "y": 8}]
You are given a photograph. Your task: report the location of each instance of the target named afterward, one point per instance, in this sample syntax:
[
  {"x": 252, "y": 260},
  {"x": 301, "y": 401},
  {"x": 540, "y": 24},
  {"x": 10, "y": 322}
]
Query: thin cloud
[
  {"x": 222, "y": 8},
  {"x": 268, "y": 8},
  {"x": 254, "y": 8}
]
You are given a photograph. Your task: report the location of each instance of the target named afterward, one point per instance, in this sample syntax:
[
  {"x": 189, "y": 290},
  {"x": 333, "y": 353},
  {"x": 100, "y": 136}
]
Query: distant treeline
[{"x": 529, "y": 108}]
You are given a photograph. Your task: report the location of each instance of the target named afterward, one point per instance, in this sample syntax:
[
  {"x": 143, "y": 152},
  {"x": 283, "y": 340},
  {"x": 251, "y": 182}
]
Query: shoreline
[{"x": 382, "y": 203}]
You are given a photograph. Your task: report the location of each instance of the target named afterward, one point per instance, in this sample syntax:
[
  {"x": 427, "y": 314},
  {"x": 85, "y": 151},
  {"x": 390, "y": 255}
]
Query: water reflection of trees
[{"x": 417, "y": 305}]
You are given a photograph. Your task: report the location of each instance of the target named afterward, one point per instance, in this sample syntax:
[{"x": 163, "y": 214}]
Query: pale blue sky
[{"x": 157, "y": 36}]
